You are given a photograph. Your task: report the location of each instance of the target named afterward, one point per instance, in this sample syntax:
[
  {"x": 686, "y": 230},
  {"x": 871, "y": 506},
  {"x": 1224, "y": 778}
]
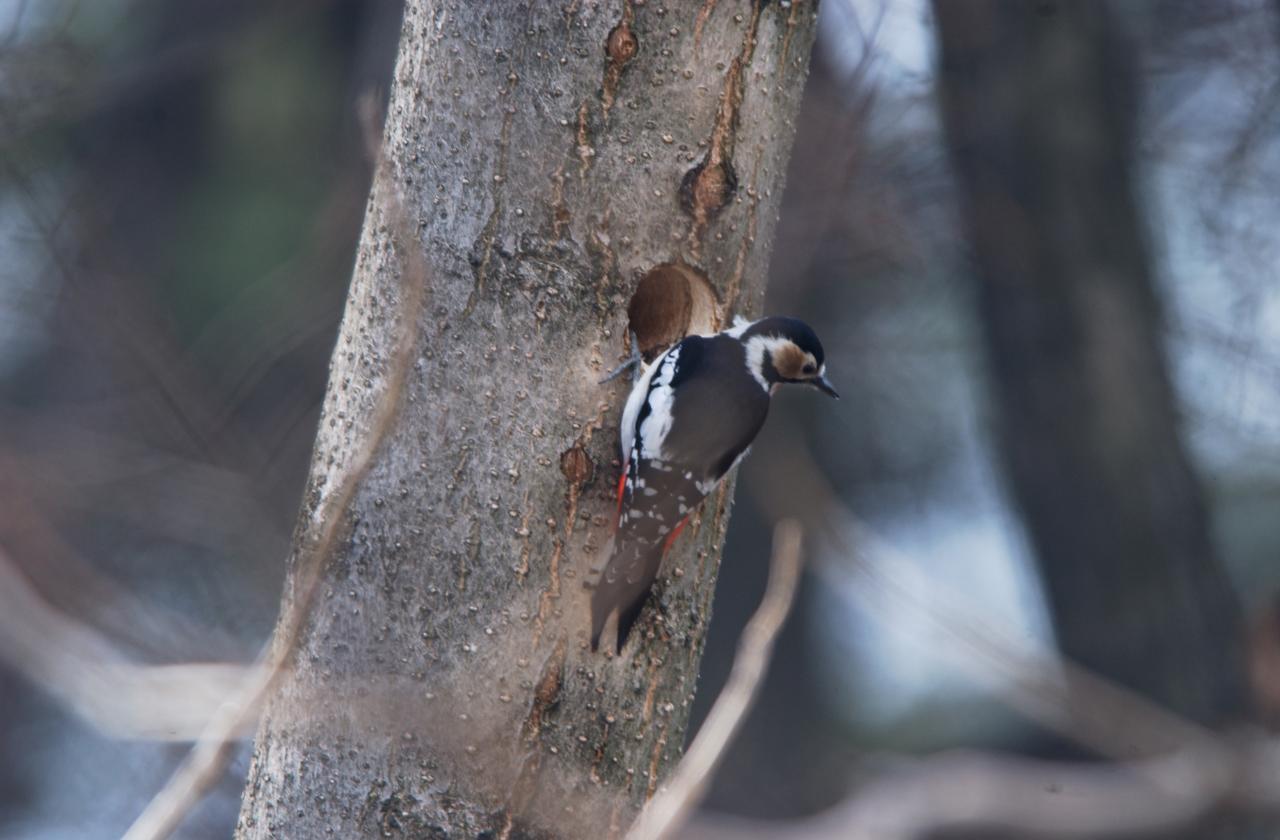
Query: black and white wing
[{"x": 689, "y": 418}]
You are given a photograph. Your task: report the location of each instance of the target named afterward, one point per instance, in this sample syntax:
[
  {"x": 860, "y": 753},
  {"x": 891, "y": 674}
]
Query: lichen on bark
[{"x": 443, "y": 685}]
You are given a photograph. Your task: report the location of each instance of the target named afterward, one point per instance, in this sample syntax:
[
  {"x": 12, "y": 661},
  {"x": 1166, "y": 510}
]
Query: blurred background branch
[
  {"x": 89, "y": 675},
  {"x": 207, "y": 761},
  {"x": 1039, "y": 238},
  {"x": 985, "y": 795},
  {"x": 675, "y": 801}
]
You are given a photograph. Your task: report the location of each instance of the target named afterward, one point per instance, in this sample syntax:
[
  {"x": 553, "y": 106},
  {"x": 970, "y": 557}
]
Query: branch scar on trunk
[
  {"x": 620, "y": 47},
  {"x": 711, "y": 185}
]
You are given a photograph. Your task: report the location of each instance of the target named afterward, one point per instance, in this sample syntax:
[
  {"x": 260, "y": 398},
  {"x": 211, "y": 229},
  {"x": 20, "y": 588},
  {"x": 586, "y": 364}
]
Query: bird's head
[{"x": 785, "y": 350}]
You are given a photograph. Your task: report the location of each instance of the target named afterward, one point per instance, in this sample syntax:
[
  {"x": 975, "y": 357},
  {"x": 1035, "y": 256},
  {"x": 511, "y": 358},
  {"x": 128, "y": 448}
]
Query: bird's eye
[{"x": 810, "y": 369}]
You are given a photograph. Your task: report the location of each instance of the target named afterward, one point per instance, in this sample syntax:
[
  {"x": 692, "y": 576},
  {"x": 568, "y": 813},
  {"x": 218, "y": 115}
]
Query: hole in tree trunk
[
  {"x": 706, "y": 190},
  {"x": 621, "y": 45},
  {"x": 673, "y": 300}
]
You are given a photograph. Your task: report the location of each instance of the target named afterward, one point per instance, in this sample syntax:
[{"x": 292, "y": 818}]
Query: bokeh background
[{"x": 181, "y": 191}]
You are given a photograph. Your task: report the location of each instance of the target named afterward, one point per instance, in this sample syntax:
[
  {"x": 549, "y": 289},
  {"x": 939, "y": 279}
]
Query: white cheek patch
[{"x": 756, "y": 347}]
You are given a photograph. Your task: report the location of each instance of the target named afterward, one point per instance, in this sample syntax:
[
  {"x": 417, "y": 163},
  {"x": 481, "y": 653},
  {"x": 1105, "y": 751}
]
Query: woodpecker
[{"x": 690, "y": 417}]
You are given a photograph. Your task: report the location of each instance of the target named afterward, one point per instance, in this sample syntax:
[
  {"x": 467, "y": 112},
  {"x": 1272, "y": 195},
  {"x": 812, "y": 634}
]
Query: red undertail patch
[
  {"x": 671, "y": 538},
  {"x": 622, "y": 486}
]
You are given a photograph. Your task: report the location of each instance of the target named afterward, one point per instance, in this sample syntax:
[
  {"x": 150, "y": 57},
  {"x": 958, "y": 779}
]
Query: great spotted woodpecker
[{"x": 690, "y": 418}]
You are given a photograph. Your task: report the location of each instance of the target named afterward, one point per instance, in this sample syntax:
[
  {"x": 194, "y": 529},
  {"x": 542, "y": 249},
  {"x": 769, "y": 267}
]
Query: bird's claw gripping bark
[{"x": 634, "y": 363}]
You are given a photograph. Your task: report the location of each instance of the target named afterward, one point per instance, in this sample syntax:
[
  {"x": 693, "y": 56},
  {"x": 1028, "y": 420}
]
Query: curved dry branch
[
  {"x": 206, "y": 761},
  {"x": 976, "y": 792},
  {"x": 671, "y": 807},
  {"x": 1165, "y": 773},
  {"x": 88, "y": 674}
]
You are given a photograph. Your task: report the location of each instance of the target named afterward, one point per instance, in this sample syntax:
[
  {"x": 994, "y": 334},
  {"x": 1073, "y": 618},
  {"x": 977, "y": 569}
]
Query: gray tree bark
[
  {"x": 1039, "y": 100},
  {"x": 549, "y": 155}
]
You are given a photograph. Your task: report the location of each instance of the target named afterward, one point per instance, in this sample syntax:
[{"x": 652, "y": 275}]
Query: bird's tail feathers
[{"x": 633, "y": 565}]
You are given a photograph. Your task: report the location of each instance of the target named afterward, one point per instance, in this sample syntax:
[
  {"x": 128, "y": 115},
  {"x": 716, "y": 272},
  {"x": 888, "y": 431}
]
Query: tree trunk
[
  {"x": 1039, "y": 101},
  {"x": 548, "y": 155}
]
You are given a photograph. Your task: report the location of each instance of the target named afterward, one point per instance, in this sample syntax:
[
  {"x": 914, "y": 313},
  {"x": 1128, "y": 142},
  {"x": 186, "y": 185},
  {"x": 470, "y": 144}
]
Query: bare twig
[
  {"x": 981, "y": 792},
  {"x": 671, "y": 806},
  {"x": 88, "y": 673},
  {"x": 206, "y": 761},
  {"x": 1038, "y": 682},
  {"x": 1033, "y": 798},
  {"x": 1251, "y": 135},
  {"x": 1167, "y": 772}
]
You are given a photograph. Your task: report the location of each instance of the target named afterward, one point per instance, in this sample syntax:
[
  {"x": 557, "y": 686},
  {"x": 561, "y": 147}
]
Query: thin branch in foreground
[
  {"x": 677, "y": 799},
  {"x": 982, "y": 793},
  {"x": 1032, "y": 798},
  {"x": 89, "y": 674},
  {"x": 200, "y": 771},
  {"x": 1166, "y": 773},
  {"x": 1103, "y": 716}
]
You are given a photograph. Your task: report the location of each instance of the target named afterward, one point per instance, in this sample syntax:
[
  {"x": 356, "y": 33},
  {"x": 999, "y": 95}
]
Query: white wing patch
[
  {"x": 653, "y": 431},
  {"x": 740, "y": 325},
  {"x": 644, "y": 440},
  {"x": 631, "y": 411}
]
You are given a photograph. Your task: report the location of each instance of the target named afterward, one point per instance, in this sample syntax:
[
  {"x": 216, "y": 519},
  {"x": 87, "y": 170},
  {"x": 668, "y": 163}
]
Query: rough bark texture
[
  {"x": 1039, "y": 101},
  {"x": 550, "y": 153}
]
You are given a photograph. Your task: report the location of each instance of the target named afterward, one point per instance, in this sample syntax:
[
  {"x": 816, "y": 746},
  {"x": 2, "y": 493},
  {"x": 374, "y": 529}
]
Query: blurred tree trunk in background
[
  {"x": 1039, "y": 103},
  {"x": 547, "y": 155}
]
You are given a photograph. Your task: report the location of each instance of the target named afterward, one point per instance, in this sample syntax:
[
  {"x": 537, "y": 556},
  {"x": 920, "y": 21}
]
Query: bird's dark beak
[{"x": 823, "y": 385}]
